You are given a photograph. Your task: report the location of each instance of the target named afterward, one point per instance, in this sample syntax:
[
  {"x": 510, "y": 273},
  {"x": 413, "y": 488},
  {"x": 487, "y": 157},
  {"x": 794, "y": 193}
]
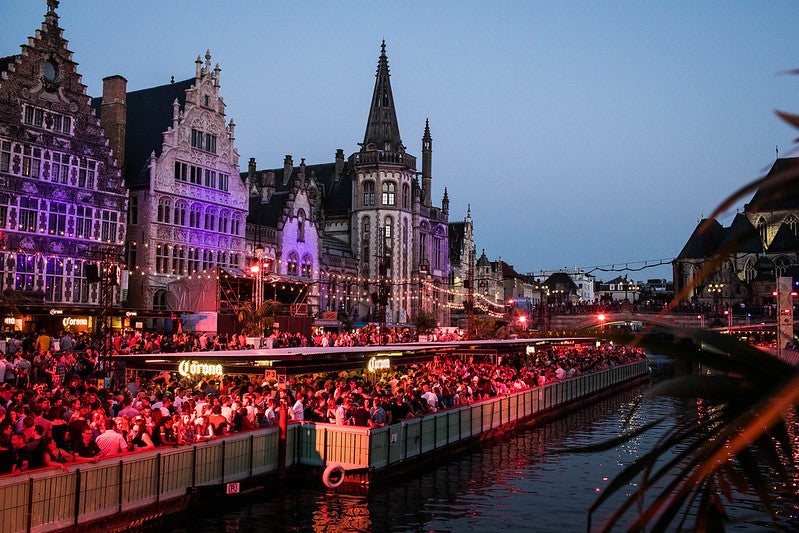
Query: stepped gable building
[
  {"x": 188, "y": 202},
  {"x": 383, "y": 245},
  {"x": 760, "y": 244},
  {"x": 62, "y": 200}
]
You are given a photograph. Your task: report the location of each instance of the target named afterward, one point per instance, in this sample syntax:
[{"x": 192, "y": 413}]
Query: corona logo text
[
  {"x": 192, "y": 368},
  {"x": 74, "y": 322},
  {"x": 376, "y": 364}
]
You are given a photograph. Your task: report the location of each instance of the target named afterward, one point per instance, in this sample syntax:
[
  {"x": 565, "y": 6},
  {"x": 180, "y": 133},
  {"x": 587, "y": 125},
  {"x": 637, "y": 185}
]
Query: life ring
[{"x": 333, "y": 476}]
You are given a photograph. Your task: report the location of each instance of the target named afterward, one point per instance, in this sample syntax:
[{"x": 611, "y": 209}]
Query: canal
[{"x": 524, "y": 481}]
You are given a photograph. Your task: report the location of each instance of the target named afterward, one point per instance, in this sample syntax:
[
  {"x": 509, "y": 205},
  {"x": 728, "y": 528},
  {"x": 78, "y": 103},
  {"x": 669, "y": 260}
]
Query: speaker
[{"x": 92, "y": 273}]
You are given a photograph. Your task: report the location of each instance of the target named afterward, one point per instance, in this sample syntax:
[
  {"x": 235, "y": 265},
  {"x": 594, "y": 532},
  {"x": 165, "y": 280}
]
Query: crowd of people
[{"x": 54, "y": 412}]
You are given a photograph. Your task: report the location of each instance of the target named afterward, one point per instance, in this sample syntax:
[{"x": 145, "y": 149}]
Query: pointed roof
[
  {"x": 785, "y": 241},
  {"x": 741, "y": 237},
  {"x": 704, "y": 241},
  {"x": 779, "y": 191},
  {"x": 382, "y": 128}
]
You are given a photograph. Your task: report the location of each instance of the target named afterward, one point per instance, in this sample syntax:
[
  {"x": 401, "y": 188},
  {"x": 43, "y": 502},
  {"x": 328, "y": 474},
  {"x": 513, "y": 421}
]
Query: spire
[
  {"x": 382, "y": 129},
  {"x": 427, "y": 165}
]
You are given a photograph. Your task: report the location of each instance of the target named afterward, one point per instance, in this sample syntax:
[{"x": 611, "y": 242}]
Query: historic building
[
  {"x": 62, "y": 200},
  {"x": 188, "y": 202},
  {"x": 383, "y": 249},
  {"x": 744, "y": 259},
  {"x": 462, "y": 261}
]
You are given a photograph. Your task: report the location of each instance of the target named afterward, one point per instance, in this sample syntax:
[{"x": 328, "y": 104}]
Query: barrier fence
[{"x": 51, "y": 499}]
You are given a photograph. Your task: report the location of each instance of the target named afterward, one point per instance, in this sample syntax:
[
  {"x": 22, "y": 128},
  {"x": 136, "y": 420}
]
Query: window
[
  {"x": 293, "y": 265},
  {"x": 791, "y": 222},
  {"x": 208, "y": 259},
  {"x": 108, "y": 227},
  {"x": 181, "y": 171},
  {"x": 5, "y": 201},
  {"x": 83, "y": 222},
  {"x": 180, "y": 214},
  {"x": 223, "y": 181},
  {"x": 56, "y": 122},
  {"x": 164, "y": 210},
  {"x": 161, "y": 258},
  {"x": 221, "y": 258},
  {"x": 203, "y": 141},
  {"x": 5, "y": 156},
  {"x": 210, "y": 178},
  {"x": 437, "y": 252},
  {"x": 57, "y": 219},
  {"x": 235, "y": 225},
  {"x": 86, "y": 172},
  {"x": 194, "y": 216},
  {"x": 28, "y": 214},
  {"x": 178, "y": 260},
  {"x": 307, "y": 266},
  {"x": 195, "y": 175},
  {"x": 368, "y": 193},
  {"x": 406, "y": 196},
  {"x": 389, "y": 193},
  {"x": 59, "y": 167},
  {"x": 54, "y": 280},
  {"x": 422, "y": 246},
  {"x": 194, "y": 260},
  {"x": 224, "y": 221},
  {"x": 210, "y": 220},
  {"x": 31, "y": 161},
  {"x": 159, "y": 300},
  {"x": 762, "y": 228},
  {"x": 26, "y": 273}
]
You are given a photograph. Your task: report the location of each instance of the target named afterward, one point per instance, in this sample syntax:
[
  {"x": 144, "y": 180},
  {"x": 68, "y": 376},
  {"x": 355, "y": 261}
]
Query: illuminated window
[
  {"x": 368, "y": 193},
  {"x": 28, "y": 214},
  {"x": 83, "y": 222},
  {"x": 108, "y": 226},
  {"x": 389, "y": 193},
  {"x": 54, "y": 280},
  {"x": 86, "y": 173},
  {"x": 57, "y": 218},
  {"x": 178, "y": 260},
  {"x": 161, "y": 258}
]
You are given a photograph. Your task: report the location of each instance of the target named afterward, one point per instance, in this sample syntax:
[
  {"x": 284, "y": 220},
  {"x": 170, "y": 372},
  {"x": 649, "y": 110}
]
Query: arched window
[
  {"x": 180, "y": 214},
  {"x": 165, "y": 210},
  {"x": 307, "y": 266},
  {"x": 780, "y": 265},
  {"x": 749, "y": 270},
  {"x": 762, "y": 229},
  {"x": 406, "y": 196},
  {"x": 389, "y": 193},
  {"x": 293, "y": 265},
  {"x": 368, "y": 193},
  {"x": 388, "y": 234},
  {"x": 210, "y": 219},
  {"x": 194, "y": 216},
  {"x": 159, "y": 300},
  {"x": 224, "y": 221}
]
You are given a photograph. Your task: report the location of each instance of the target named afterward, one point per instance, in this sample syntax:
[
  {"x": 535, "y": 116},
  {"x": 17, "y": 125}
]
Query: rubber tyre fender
[{"x": 333, "y": 476}]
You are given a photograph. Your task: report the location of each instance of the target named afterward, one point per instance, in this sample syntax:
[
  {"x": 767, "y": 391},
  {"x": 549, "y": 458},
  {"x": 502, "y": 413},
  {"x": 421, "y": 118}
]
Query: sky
[{"x": 589, "y": 135}]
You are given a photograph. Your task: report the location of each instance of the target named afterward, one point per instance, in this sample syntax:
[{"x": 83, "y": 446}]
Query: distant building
[
  {"x": 382, "y": 245},
  {"x": 462, "y": 276},
  {"x": 62, "y": 199},
  {"x": 743, "y": 259},
  {"x": 188, "y": 202}
]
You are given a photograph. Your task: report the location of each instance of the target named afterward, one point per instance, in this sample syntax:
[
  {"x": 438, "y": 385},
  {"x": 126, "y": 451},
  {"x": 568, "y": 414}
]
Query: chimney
[
  {"x": 113, "y": 115},
  {"x": 288, "y": 165},
  {"x": 339, "y": 162}
]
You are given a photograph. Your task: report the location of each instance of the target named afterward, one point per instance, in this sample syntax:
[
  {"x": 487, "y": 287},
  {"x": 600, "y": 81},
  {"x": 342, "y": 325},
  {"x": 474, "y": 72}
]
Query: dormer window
[
  {"x": 203, "y": 141},
  {"x": 206, "y": 100}
]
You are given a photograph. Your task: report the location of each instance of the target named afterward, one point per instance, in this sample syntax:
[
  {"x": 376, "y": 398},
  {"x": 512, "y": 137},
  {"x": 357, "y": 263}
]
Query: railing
[
  {"x": 45, "y": 500},
  {"x": 380, "y": 156}
]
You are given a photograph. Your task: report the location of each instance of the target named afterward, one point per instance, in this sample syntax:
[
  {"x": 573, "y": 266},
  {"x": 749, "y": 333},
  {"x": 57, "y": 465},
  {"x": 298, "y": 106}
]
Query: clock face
[{"x": 49, "y": 71}]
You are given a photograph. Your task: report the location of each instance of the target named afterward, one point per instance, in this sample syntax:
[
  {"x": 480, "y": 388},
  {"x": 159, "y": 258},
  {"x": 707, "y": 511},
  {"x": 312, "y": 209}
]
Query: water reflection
[{"x": 521, "y": 482}]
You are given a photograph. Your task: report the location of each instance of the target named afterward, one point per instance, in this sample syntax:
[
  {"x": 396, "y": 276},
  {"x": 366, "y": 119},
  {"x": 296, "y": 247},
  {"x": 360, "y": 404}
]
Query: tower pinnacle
[{"x": 382, "y": 129}]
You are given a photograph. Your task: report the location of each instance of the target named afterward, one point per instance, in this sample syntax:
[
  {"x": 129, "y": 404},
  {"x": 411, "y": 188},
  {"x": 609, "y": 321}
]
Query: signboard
[
  {"x": 232, "y": 488},
  {"x": 188, "y": 368},
  {"x": 378, "y": 363}
]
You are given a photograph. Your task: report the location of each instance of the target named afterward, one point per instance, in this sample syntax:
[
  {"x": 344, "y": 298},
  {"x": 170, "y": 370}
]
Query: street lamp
[{"x": 602, "y": 318}]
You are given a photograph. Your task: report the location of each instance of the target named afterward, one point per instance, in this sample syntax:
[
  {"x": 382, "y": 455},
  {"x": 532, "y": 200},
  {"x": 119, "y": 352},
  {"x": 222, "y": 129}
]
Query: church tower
[{"x": 382, "y": 220}]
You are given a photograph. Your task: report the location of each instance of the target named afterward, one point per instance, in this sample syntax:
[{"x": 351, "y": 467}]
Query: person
[
  {"x": 110, "y": 441},
  {"x": 360, "y": 415},
  {"x": 164, "y": 434},
  {"x": 219, "y": 424},
  {"x": 7, "y": 455},
  {"x": 271, "y": 412},
  {"x": 298, "y": 409},
  {"x": 377, "y": 415},
  {"x": 140, "y": 438},
  {"x": 343, "y": 411},
  {"x": 86, "y": 448},
  {"x": 55, "y": 456},
  {"x": 21, "y": 453}
]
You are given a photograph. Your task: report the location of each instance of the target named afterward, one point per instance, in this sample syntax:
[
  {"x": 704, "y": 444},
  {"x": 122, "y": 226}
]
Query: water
[{"x": 521, "y": 482}]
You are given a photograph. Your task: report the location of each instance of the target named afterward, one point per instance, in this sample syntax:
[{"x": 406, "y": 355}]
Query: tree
[
  {"x": 256, "y": 320},
  {"x": 425, "y": 322},
  {"x": 741, "y": 439}
]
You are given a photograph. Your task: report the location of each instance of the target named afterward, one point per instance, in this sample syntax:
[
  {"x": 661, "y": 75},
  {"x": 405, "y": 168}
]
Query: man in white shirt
[
  {"x": 298, "y": 409},
  {"x": 109, "y": 441}
]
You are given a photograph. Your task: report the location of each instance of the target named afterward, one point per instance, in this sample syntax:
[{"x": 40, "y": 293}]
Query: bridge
[{"x": 578, "y": 321}]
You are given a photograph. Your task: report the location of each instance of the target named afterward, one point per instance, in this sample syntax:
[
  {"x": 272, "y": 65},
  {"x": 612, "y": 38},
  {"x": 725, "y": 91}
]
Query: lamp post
[
  {"x": 258, "y": 276},
  {"x": 715, "y": 289}
]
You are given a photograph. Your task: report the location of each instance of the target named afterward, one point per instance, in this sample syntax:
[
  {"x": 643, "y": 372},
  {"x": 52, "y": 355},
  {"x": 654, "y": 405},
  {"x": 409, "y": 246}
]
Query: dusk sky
[{"x": 592, "y": 135}]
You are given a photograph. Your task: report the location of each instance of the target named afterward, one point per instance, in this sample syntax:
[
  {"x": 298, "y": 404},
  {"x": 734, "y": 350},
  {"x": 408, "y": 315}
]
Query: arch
[
  {"x": 389, "y": 193},
  {"x": 159, "y": 300},
  {"x": 792, "y": 222},
  {"x": 762, "y": 229},
  {"x": 293, "y": 264},
  {"x": 164, "y": 210},
  {"x": 301, "y": 225},
  {"x": 368, "y": 196}
]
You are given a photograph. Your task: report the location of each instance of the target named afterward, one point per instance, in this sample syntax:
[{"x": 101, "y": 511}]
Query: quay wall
[{"x": 124, "y": 489}]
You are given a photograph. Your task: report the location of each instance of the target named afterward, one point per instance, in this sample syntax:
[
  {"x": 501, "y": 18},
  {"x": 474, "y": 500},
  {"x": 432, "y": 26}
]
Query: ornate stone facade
[{"x": 62, "y": 200}]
